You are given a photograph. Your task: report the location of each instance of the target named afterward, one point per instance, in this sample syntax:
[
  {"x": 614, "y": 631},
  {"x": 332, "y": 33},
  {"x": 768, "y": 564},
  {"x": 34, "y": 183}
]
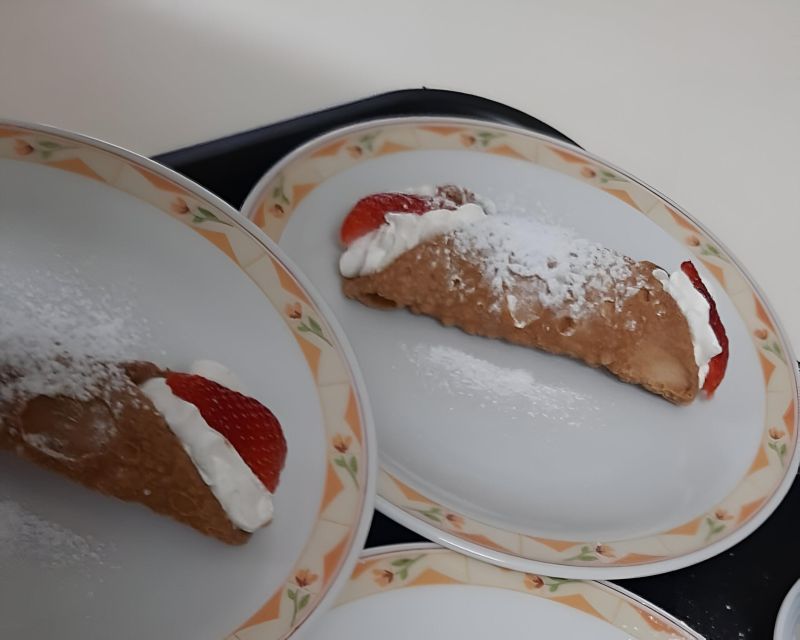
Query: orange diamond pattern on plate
[
  {"x": 270, "y": 611},
  {"x": 351, "y": 416},
  {"x": 656, "y": 624},
  {"x": 623, "y": 195},
  {"x": 410, "y": 494},
  {"x": 719, "y": 274},
  {"x": 681, "y": 220},
  {"x": 566, "y": 155},
  {"x": 688, "y": 529},
  {"x": 788, "y": 417},
  {"x": 362, "y": 566},
  {"x": 288, "y": 283},
  {"x": 749, "y": 509},
  {"x": 76, "y": 165},
  {"x": 8, "y": 132},
  {"x": 219, "y": 240},
  {"x": 767, "y": 366},
  {"x": 300, "y": 191},
  {"x": 333, "y": 487},
  {"x": 761, "y": 312},
  {"x": 312, "y": 353},
  {"x": 579, "y": 602},
  {"x": 159, "y": 182},
  {"x": 431, "y": 576},
  {"x": 332, "y": 560},
  {"x": 329, "y": 150},
  {"x": 556, "y": 545},
  {"x": 391, "y": 147},
  {"x": 638, "y": 558},
  {"x": 760, "y": 462},
  {"x": 442, "y": 130},
  {"x": 505, "y": 150}
]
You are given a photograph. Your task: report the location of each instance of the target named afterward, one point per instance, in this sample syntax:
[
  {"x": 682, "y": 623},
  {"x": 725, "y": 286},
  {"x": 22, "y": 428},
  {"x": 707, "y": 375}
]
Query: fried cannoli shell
[
  {"x": 642, "y": 339},
  {"x": 135, "y": 457}
]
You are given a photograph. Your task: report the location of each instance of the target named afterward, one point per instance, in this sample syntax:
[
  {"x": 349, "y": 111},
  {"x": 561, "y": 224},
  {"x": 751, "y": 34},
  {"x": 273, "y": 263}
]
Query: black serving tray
[{"x": 735, "y": 595}]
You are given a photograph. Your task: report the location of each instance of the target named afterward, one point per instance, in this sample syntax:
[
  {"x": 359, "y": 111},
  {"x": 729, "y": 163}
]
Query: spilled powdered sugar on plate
[
  {"x": 61, "y": 336},
  {"x": 24, "y": 534},
  {"x": 507, "y": 389}
]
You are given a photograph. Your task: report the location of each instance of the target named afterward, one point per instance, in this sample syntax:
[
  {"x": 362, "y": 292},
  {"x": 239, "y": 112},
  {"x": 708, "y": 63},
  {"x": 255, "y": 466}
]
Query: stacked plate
[{"x": 541, "y": 476}]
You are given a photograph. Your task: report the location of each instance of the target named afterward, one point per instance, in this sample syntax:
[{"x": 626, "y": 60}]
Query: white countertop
[{"x": 700, "y": 100}]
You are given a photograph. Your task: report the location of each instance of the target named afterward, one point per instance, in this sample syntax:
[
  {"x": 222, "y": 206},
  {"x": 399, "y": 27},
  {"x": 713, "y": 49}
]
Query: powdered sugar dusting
[
  {"x": 526, "y": 259},
  {"x": 26, "y": 534},
  {"x": 59, "y": 336},
  {"x": 507, "y": 389},
  {"x": 530, "y": 262}
]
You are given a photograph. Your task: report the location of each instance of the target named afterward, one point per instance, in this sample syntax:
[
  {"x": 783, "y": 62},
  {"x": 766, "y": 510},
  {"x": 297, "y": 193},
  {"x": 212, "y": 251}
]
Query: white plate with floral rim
[
  {"x": 424, "y": 591},
  {"x": 210, "y": 285},
  {"x": 518, "y": 457}
]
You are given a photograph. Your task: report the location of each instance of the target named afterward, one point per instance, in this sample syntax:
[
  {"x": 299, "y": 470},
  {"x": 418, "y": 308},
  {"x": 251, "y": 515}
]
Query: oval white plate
[
  {"x": 787, "y": 625},
  {"x": 210, "y": 285},
  {"x": 424, "y": 591},
  {"x": 524, "y": 459}
]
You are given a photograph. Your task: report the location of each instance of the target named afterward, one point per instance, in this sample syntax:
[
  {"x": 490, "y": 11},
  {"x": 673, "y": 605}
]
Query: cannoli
[
  {"x": 440, "y": 253},
  {"x": 179, "y": 443}
]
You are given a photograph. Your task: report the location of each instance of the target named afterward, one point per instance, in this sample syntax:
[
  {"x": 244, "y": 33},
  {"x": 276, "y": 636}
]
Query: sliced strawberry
[
  {"x": 248, "y": 425},
  {"x": 370, "y": 213},
  {"x": 719, "y": 363}
]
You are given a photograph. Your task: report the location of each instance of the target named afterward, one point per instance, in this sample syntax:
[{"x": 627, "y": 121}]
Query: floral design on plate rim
[{"x": 423, "y": 565}]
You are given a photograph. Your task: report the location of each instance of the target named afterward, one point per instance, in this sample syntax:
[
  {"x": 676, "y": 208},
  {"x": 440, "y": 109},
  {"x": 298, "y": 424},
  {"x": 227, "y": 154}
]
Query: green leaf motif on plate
[
  {"x": 553, "y": 584},
  {"x": 714, "y": 528},
  {"x": 607, "y": 176},
  {"x": 710, "y": 250},
  {"x": 299, "y": 602},
  {"x": 351, "y": 466},
  {"x": 485, "y": 138},
  {"x": 202, "y": 214},
  {"x": 431, "y": 513},
  {"x": 45, "y": 148},
  {"x": 780, "y": 449},
  {"x": 774, "y": 347},
  {"x": 585, "y": 555},
  {"x": 368, "y": 141},
  {"x": 279, "y": 194},
  {"x": 314, "y": 328},
  {"x": 404, "y": 564}
]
